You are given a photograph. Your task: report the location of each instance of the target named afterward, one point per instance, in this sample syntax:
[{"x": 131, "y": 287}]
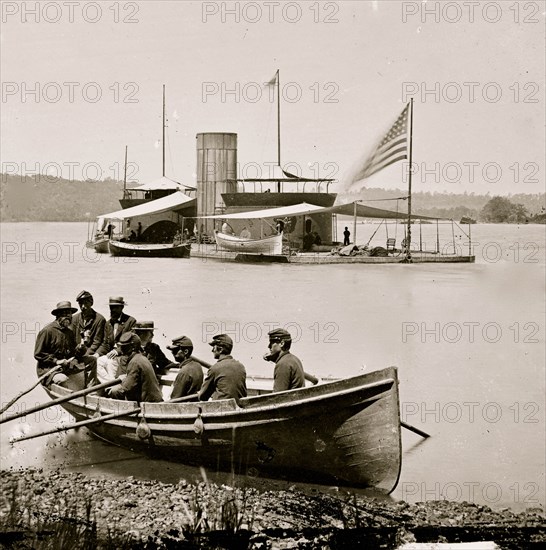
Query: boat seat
[{"x": 391, "y": 245}]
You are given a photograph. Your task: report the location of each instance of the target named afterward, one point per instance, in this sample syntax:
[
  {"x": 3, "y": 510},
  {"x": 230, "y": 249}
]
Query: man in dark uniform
[
  {"x": 288, "y": 374},
  {"x": 346, "y": 237},
  {"x": 90, "y": 327},
  {"x": 154, "y": 354},
  {"x": 56, "y": 346},
  {"x": 227, "y": 378},
  {"x": 119, "y": 322},
  {"x": 140, "y": 383},
  {"x": 190, "y": 376}
]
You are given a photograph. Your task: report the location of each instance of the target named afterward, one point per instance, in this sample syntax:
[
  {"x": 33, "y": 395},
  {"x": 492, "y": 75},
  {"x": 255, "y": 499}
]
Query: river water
[{"x": 468, "y": 340}]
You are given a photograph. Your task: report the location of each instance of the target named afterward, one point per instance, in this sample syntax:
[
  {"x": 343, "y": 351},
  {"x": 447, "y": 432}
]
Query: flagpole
[
  {"x": 408, "y": 237},
  {"x": 278, "y": 126},
  {"x": 163, "y": 124}
]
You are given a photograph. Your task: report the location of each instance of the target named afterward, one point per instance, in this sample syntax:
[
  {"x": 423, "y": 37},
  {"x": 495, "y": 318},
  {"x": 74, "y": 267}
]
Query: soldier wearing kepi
[
  {"x": 227, "y": 378},
  {"x": 56, "y": 347},
  {"x": 140, "y": 383},
  {"x": 90, "y": 327},
  {"x": 190, "y": 376},
  {"x": 288, "y": 374}
]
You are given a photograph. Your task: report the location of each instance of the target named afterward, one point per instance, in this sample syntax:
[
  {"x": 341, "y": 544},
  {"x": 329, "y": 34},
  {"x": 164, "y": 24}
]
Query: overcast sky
[{"x": 347, "y": 69}]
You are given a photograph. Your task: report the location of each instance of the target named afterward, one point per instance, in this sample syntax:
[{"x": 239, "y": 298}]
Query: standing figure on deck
[
  {"x": 289, "y": 372},
  {"x": 90, "y": 327},
  {"x": 56, "y": 347},
  {"x": 346, "y": 236},
  {"x": 140, "y": 383},
  {"x": 190, "y": 376},
  {"x": 145, "y": 331},
  {"x": 227, "y": 378}
]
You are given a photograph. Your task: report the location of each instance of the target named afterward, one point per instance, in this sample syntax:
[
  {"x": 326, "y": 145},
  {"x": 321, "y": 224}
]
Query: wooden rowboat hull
[
  {"x": 344, "y": 432},
  {"x": 268, "y": 245},
  {"x": 118, "y": 248}
]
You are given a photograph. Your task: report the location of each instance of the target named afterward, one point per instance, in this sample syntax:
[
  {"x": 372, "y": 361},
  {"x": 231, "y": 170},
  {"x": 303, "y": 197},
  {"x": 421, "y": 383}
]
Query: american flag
[{"x": 392, "y": 148}]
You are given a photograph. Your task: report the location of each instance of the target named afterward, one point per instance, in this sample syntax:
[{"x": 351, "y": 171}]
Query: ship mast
[
  {"x": 278, "y": 127},
  {"x": 125, "y": 174}
]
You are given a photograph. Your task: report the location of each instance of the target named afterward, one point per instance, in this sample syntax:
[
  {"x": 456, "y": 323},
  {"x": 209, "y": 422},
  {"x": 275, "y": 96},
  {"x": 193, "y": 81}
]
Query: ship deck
[{"x": 212, "y": 252}]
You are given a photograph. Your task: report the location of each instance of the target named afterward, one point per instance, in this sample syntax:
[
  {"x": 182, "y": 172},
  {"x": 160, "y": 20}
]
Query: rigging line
[{"x": 379, "y": 200}]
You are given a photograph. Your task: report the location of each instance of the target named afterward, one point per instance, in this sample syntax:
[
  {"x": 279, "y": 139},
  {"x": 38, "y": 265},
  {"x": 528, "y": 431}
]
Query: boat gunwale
[{"x": 188, "y": 410}]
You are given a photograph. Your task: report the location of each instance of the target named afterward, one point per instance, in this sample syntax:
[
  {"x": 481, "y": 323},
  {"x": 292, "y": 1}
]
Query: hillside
[{"x": 42, "y": 198}]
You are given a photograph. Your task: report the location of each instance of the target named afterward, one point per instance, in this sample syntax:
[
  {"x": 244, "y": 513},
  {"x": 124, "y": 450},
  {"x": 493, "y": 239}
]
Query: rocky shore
[{"x": 41, "y": 510}]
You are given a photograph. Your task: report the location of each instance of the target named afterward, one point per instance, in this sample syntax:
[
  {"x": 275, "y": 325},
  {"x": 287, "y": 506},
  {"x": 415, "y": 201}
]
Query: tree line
[{"x": 43, "y": 198}]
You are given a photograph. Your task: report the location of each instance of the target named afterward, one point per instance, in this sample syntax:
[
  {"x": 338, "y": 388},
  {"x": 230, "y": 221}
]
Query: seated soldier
[
  {"x": 140, "y": 383},
  {"x": 227, "y": 378},
  {"x": 190, "y": 376},
  {"x": 56, "y": 351},
  {"x": 288, "y": 374}
]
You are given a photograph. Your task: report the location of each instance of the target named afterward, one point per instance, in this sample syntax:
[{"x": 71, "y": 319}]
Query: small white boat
[{"x": 267, "y": 245}]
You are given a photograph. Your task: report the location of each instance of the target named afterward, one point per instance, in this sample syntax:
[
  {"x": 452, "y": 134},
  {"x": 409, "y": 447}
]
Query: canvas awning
[
  {"x": 161, "y": 184},
  {"x": 175, "y": 201},
  {"x": 363, "y": 211},
  {"x": 303, "y": 208},
  {"x": 279, "y": 212},
  {"x": 277, "y": 174}
]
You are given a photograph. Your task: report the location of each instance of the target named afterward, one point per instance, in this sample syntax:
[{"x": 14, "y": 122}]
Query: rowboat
[
  {"x": 267, "y": 245},
  {"x": 150, "y": 250},
  {"x": 345, "y": 431},
  {"x": 99, "y": 244}
]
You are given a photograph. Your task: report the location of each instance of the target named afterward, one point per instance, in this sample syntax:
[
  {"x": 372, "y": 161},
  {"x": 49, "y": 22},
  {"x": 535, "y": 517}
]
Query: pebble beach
[{"x": 47, "y": 509}]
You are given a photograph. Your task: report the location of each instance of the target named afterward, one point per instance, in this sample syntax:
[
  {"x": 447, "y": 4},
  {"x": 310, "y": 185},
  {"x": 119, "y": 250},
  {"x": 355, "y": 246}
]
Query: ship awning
[
  {"x": 162, "y": 184},
  {"x": 175, "y": 201},
  {"x": 279, "y": 212},
  {"x": 302, "y": 209},
  {"x": 363, "y": 211},
  {"x": 276, "y": 173}
]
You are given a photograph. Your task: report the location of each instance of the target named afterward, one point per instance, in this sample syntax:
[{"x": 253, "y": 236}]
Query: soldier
[
  {"x": 90, "y": 327},
  {"x": 288, "y": 373},
  {"x": 227, "y": 378},
  {"x": 190, "y": 376},
  {"x": 140, "y": 384},
  {"x": 56, "y": 347}
]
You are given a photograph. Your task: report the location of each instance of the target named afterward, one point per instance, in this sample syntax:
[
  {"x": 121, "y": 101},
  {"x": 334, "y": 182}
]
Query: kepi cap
[
  {"x": 116, "y": 301},
  {"x": 83, "y": 295},
  {"x": 180, "y": 342},
  {"x": 144, "y": 325},
  {"x": 63, "y": 306},
  {"x": 279, "y": 334},
  {"x": 221, "y": 340},
  {"x": 129, "y": 339}
]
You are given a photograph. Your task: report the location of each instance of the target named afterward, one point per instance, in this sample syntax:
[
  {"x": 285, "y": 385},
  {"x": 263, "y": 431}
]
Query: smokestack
[{"x": 216, "y": 174}]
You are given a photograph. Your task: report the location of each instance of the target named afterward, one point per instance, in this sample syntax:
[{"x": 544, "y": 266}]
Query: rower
[
  {"x": 190, "y": 376},
  {"x": 288, "y": 374}
]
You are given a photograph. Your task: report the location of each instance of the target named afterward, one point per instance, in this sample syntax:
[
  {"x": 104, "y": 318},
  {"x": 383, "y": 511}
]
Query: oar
[
  {"x": 414, "y": 429},
  {"x": 43, "y": 377},
  {"x": 90, "y": 421},
  {"x": 403, "y": 424},
  {"x": 60, "y": 400},
  {"x": 182, "y": 399},
  {"x": 310, "y": 377},
  {"x": 75, "y": 425}
]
